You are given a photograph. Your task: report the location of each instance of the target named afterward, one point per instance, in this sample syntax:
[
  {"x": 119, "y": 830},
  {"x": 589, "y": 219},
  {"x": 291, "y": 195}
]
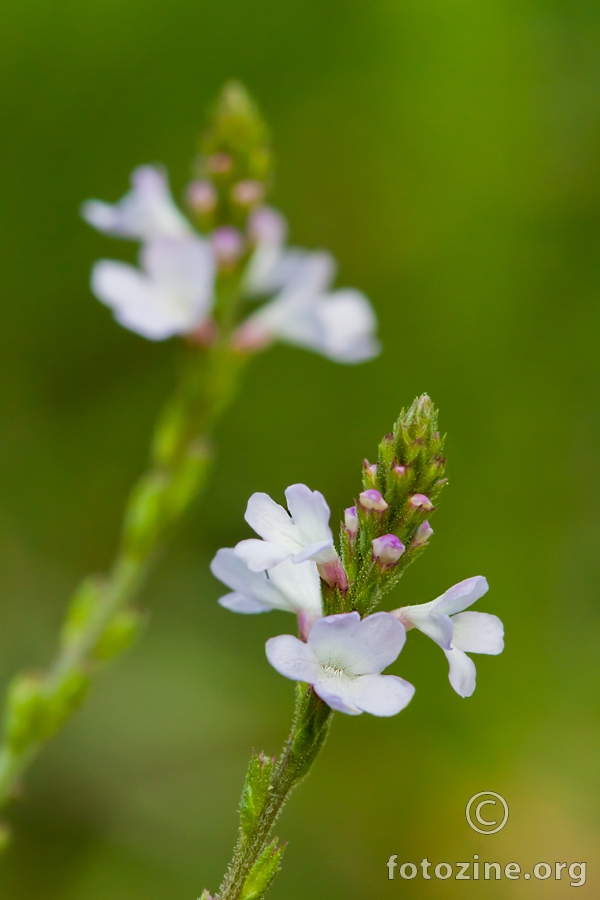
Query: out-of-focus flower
[
  {"x": 343, "y": 659},
  {"x": 338, "y": 324},
  {"x": 291, "y": 587},
  {"x": 458, "y": 632},
  {"x": 146, "y": 212},
  {"x": 171, "y": 293}
]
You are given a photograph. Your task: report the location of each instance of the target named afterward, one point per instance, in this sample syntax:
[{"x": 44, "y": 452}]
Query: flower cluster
[
  {"x": 343, "y": 647},
  {"x": 192, "y": 281}
]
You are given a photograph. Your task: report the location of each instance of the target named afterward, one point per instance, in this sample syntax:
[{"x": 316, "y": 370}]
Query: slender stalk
[
  {"x": 101, "y": 619},
  {"x": 312, "y": 719}
]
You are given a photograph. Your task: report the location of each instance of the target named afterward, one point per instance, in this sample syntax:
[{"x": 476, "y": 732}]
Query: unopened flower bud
[
  {"x": 228, "y": 244},
  {"x": 420, "y": 501},
  {"x": 202, "y": 196},
  {"x": 372, "y": 499},
  {"x": 422, "y": 535},
  {"x": 219, "y": 163},
  {"x": 351, "y": 520},
  {"x": 247, "y": 193},
  {"x": 387, "y": 549},
  {"x": 267, "y": 226},
  {"x": 400, "y": 471}
]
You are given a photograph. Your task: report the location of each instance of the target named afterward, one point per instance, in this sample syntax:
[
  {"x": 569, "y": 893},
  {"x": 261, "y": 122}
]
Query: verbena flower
[
  {"x": 338, "y": 324},
  {"x": 147, "y": 211},
  {"x": 301, "y": 534},
  {"x": 288, "y": 586},
  {"x": 171, "y": 293},
  {"x": 458, "y": 632},
  {"x": 343, "y": 659}
]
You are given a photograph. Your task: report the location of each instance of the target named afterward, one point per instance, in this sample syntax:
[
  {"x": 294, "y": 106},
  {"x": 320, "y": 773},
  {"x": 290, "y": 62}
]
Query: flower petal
[
  {"x": 242, "y": 603},
  {"x": 462, "y": 672},
  {"x": 185, "y": 270},
  {"x": 357, "y": 647},
  {"x": 299, "y": 586},
  {"x": 337, "y": 694},
  {"x": 435, "y": 625},
  {"x": 460, "y": 596},
  {"x": 292, "y": 658},
  {"x": 476, "y": 632},
  {"x": 381, "y": 695},
  {"x": 261, "y": 555},
  {"x": 348, "y": 326},
  {"x": 146, "y": 212},
  {"x": 315, "y": 551},
  {"x": 135, "y": 301},
  {"x": 310, "y": 514},
  {"x": 272, "y": 522}
]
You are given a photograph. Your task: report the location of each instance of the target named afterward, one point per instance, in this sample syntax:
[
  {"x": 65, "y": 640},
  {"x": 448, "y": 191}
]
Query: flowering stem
[
  {"x": 101, "y": 620},
  {"x": 256, "y": 859}
]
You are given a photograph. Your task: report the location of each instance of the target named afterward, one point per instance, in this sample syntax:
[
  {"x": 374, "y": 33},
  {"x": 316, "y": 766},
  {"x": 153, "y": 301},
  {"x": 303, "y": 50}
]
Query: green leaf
[
  {"x": 263, "y": 872},
  {"x": 255, "y": 792}
]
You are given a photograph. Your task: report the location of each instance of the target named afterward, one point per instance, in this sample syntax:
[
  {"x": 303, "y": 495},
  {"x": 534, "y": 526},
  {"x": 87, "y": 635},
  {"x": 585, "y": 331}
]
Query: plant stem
[
  {"x": 312, "y": 719},
  {"x": 178, "y": 471}
]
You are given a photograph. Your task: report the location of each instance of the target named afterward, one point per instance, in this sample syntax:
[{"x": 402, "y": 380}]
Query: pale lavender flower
[
  {"x": 146, "y": 212},
  {"x": 301, "y": 534},
  {"x": 293, "y": 587},
  {"x": 171, "y": 293},
  {"x": 458, "y": 632},
  {"x": 343, "y": 659}
]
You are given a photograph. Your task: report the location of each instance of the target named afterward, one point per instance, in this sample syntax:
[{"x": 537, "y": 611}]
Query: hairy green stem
[
  {"x": 312, "y": 719},
  {"x": 97, "y": 626}
]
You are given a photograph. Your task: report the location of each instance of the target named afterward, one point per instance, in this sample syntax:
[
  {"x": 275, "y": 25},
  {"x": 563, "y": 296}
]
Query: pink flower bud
[
  {"x": 247, "y": 193},
  {"x": 220, "y": 163},
  {"x": 372, "y": 499},
  {"x": 228, "y": 244},
  {"x": 387, "y": 549},
  {"x": 267, "y": 226},
  {"x": 202, "y": 196},
  {"x": 400, "y": 471},
  {"x": 351, "y": 520},
  {"x": 422, "y": 535},
  {"x": 420, "y": 501}
]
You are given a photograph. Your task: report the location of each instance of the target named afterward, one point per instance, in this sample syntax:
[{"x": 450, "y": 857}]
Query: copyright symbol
[{"x": 483, "y": 810}]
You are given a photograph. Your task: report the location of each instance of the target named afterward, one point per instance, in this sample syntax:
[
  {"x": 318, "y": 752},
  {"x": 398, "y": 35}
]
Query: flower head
[
  {"x": 171, "y": 294},
  {"x": 343, "y": 659},
  {"x": 301, "y": 534},
  {"x": 458, "y": 632},
  {"x": 146, "y": 212}
]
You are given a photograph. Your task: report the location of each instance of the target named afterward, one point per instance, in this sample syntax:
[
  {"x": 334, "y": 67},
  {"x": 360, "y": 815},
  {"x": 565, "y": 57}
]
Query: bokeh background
[{"x": 448, "y": 154}]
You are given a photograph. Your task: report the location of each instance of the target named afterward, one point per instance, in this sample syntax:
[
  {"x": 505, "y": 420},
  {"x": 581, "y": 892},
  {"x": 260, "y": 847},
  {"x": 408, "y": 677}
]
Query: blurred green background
[{"x": 448, "y": 154}]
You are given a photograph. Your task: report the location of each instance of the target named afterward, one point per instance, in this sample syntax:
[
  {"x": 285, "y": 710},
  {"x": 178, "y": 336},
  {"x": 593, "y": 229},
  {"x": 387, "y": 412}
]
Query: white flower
[
  {"x": 305, "y": 534},
  {"x": 292, "y": 587},
  {"x": 465, "y": 632},
  {"x": 146, "y": 212},
  {"x": 172, "y": 294},
  {"x": 343, "y": 659},
  {"x": 338, "y": 324}
]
